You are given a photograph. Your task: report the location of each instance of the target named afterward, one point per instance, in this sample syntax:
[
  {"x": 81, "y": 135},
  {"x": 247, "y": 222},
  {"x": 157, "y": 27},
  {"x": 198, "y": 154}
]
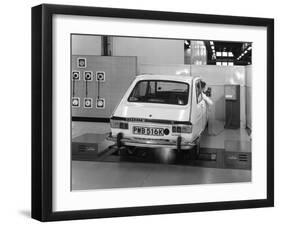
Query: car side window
[
  {"x": 141, "y": 89},
  {"x": 152, "y": 88},
  {"x": 199, "y": 96}
]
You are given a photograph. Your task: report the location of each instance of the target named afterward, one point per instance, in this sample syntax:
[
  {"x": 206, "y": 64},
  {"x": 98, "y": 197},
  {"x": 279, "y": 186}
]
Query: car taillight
[
  {"x": 118, "y": 124},
  {"x": 182, "y": 129}
]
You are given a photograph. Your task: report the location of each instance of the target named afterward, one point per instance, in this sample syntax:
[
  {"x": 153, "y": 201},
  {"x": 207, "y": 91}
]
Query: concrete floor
[{"x": 103, "y": 175}]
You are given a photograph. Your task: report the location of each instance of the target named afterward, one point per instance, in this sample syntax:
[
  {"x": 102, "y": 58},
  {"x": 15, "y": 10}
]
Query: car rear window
[{"x": 161, "y": 92}]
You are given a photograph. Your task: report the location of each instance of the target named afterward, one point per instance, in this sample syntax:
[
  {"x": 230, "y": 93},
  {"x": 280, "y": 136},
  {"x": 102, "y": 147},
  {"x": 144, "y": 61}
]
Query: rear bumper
[{"x": 152, "y": 143}]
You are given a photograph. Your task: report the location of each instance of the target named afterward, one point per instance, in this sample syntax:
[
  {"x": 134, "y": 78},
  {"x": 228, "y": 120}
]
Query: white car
[{"x": 161, "y": 111}]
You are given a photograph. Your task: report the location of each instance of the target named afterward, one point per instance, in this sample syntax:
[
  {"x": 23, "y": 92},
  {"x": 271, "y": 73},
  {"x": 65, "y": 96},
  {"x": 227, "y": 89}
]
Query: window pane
[{"x": 162, "y": 92}]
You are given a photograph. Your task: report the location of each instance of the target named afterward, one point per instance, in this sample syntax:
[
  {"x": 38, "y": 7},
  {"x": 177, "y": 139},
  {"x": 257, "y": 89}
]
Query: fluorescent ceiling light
[
  {"x": 230, "y": 54},
  {"x": 224, "y": 63}
]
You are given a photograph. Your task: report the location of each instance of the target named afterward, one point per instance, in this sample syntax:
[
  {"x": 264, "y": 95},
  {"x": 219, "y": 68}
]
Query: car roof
[{"x": 178, "y": 78}]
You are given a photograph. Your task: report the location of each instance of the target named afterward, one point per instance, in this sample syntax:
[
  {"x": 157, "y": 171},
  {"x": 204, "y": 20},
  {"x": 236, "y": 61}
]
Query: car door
[{"x": 199, "y": 113}]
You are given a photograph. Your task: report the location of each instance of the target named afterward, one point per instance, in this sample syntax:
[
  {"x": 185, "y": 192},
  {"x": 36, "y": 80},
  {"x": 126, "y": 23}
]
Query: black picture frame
[{"x": 42, "y": 111}]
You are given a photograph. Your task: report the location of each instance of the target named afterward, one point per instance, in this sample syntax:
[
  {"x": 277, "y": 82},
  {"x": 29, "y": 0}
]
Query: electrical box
[
  {"x": 232, "y": 106},
  {"x": 237, "y": 154},
  {"x": 89, "y": 146},
  {"x": 230, "y": 92}
]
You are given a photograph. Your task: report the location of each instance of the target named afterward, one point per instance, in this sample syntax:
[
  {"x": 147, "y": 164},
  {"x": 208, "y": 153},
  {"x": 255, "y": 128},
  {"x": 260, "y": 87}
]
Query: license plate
[{"x": 148, "y": 131}]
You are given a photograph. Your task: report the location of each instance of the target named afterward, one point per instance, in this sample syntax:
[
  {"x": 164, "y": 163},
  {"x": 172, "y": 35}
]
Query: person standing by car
[
  {"x": 206, "y": 97},
  {"x": 206, "y": 93}
]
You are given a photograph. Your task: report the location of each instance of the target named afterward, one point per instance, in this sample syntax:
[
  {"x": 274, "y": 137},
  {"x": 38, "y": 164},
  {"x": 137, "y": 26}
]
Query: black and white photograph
[
  {"x": 169, "y": 112},
  {"x": 132, "y": 105}
]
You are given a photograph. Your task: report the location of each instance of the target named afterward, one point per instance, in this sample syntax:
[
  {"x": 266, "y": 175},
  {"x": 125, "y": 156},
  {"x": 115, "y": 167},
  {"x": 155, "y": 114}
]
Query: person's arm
[{"x": 207, "y": 99}]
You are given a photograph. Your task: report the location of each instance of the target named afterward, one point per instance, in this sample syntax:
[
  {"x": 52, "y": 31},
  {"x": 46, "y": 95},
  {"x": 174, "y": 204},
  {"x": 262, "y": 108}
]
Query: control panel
[{"x": 99, "y": 83}]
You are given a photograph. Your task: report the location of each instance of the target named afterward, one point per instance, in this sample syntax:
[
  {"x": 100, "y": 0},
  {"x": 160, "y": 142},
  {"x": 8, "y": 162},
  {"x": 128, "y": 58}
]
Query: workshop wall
[
  {"x": 86, "y": 45},
  {"x": 152, "y": 56},
  {"x": 150, "y": 51}
]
